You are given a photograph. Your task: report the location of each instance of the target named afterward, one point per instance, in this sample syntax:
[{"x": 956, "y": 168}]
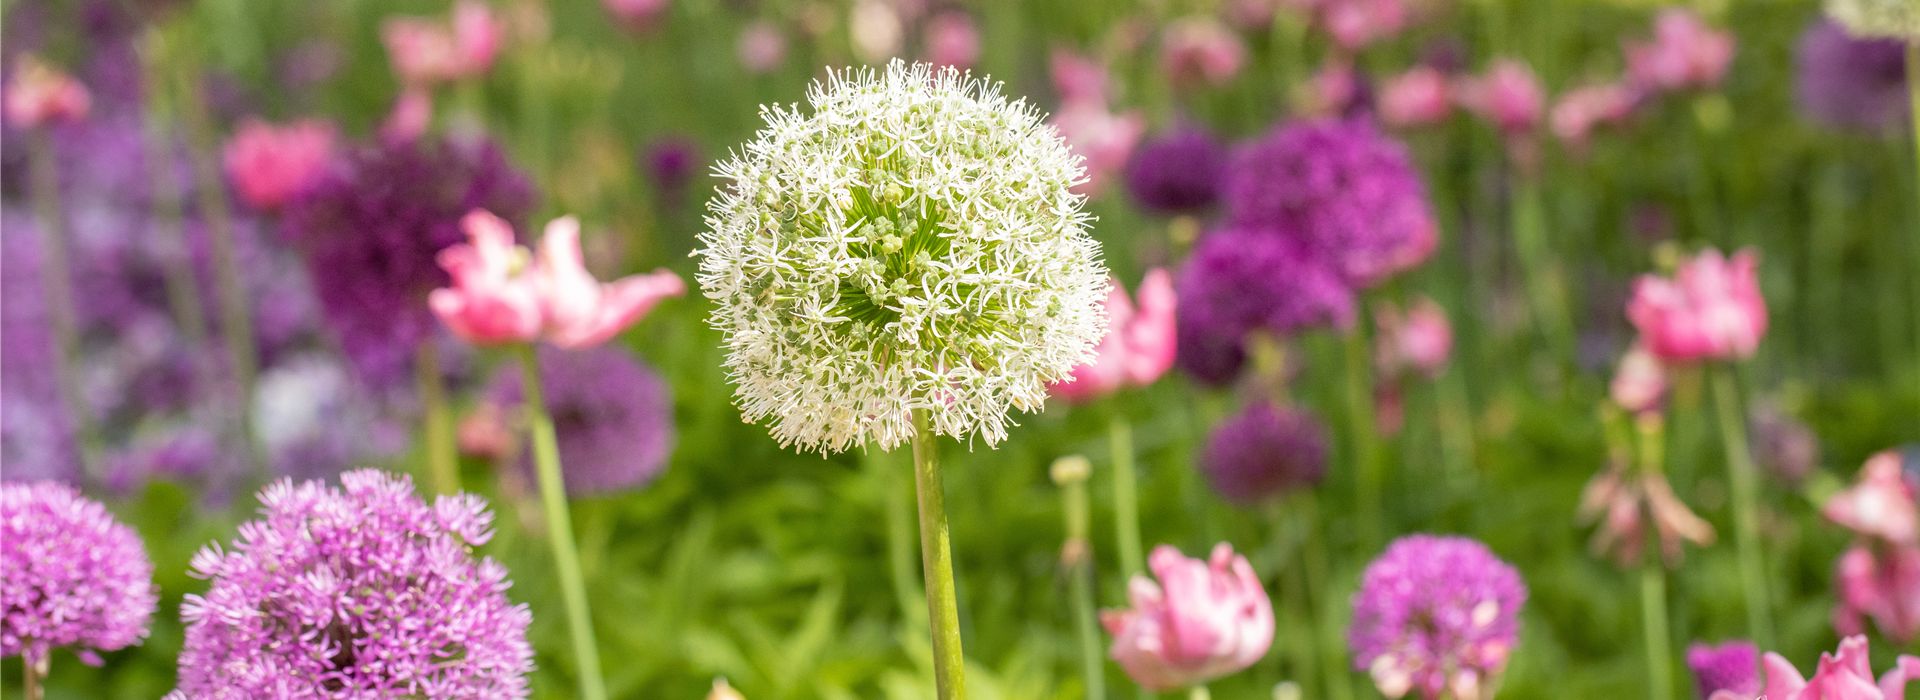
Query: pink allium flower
[
  {"x": 1712, "y": 310},
  {"x": 493, "y": 298},
  {"x": 1356, "y": 24},
  {"x": 1201, "y": 621},
  {"x": 360, "y": 591},
  {"x": 1200, "y": 49},
  {"x": 1508, "y": 95},
  {"x": 1581, "y": 109},
  {"x": 269, "y": 164},
  {"x": 1731, "y": 667},
  {"x": 950, "y": 39},
  {"x": 1685, "y": 54},
  {"x": 70, "y": 575},
  {"x": 1104, "y": 140},
  {"x": 1846, "y": 675},
  {"x": 1880, "y": 504},
  {"x": 761, "y": 47},
  {"x": 1138, "y": 347},
  {"x": 1415, "y": 98},
  {"x": 39, "y": 93},
  {"x": 637, "y": 15},
  {"x": 1436, "y": 615},
  {"x": 1640, "y": 382},
  {"x": 1419, "y": 340},
  {"x": 478, "y": 35}
]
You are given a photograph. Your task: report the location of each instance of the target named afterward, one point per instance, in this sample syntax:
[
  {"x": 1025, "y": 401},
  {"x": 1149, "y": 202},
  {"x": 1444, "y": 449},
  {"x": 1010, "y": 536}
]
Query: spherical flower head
[
  {"x": 1265, "y": 451},
  {"x": 1784, "y": 446},
  {"x": 1874, "y": 19},
  {"x": 672, "y": 163},
  {"x": 39, "y": 93},
  {"x": 1200, "y": 621},
  {"x": 354, "y": 592},
  {"x": 1436, "y": 614},
  {"x": 1711, "y": 310},
  {"x": 1241, "y": 279},
  {"x": 1732, "y": 666},
  {"x": 1177, "y": 173},
  {"x": 911, "y": 246},
  {"x": 1346, "y": 190},
  {"x": 1209, "y": 354},
  {"x": 612, "y": 415},
  {"x": 1201, "y": 50},
  {"x": 70, "y": 575},
  {"x": 1851, "y": 83},
  {"x": 269, "y": 164}
]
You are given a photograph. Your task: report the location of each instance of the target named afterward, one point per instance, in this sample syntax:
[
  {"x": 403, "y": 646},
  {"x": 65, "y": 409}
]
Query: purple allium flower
[
  {"x": 1243, "y": 279},
  {"x": 1732, "y": 665},
  {"x": 1207, "y": 353},
  {"x": 70, "y": 575},
  {"x": 672, "y": 163},
  {"x": 1436, "y": 614},
  {"x": 1848, "y": 83},
  {"x": 1341, "y": 187},
  {"x": 36, "y": 438},
  {"x": 612, "y": 415},
  {"x": 372, "y": 226},
  {"x": 1179, "y": 172},
  {"x": 355, "y": 592},
  {"x": 1265, "y": 451}
]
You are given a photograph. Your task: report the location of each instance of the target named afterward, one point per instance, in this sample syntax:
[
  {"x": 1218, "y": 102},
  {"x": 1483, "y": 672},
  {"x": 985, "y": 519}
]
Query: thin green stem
[
  {"x": 442, "y": 465},
  {"x": 1746, "y": 517},
  {"x": 566, "y": 558},
  {"x": 56, "y": 279},
  {"x": 1333, "y": 663},
  {"x": 1301, "y": 653},
  {"x": 1365, "y": 440},
  {"x": 936, "y": 557},
  {"x": 1078, "y": 558},
  {"x": 1126, "y": 496},
  {"x": 1546, "y": 285},
  {"x": 1653, "y": 615}
]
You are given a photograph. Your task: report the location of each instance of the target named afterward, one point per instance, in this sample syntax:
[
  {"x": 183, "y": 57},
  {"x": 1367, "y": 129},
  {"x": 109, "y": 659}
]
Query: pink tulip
[
  {"x": 1078, "y": 78},
  {"x": 1507, "y": 95},
  {"x": 411, "y": 116},
  {"x": 484, "y": 433},
  {"x": 270, "y": 164},
  {"x": 422, "y": 51},
  {"x": 1203, "y": 620},
  {"x": 1583, "y": 108},
  {"x": 493, "y": 299},
  {"x": 637, "y": 15},
  {"x": 1138, "y": 346},
  {"x": 1640, "y": 382},
  {"x": 1712, "y": 310},
  {"x": 761, "y": 47},
  {"x": 1419, "y": 340},
  {"x": 580, "y": 311},
  {"x": 950, "y": 39},
  {"x": 1882, "y": 583},
  {"x": 1356, "y": 24},
  {"x": 1847, "y": 675},
  {"x": 1331, "y": 90},
  {"x": 1200, "y": 49},
  {"x": 1880, "y": 503},
  {"x": 1685, "y": 54},
  {"x": 1103, "y": 140},
  {"x": 1415, "y": 98},
  {"x": 40, "y": 94},
  {"x": 478, "y": 35}
]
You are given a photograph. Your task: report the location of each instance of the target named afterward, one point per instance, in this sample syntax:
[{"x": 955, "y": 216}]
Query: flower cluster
[
  {"x": 1138, "y": 347},
  {"x": 1685, "y": 54},
  {"x": 353, "y": 592},
  {"x": 1710, "y": 310},
  {"x": 612, "y": 416},
  {"x": 911, "y": 246},
  {"x": 70, "y": 575},
  {"x": 1201, "y": 621},
  {"x": 1730, "y": 667},
  {"x": 1177, "y": 173},
  {"x": 1879, "y": 577},
  {"x": 1265, "y": 451},
  {"x": 1436, "y": 615}
]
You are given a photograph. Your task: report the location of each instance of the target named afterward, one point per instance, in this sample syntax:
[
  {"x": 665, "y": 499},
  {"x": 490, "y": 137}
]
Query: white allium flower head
[
  {"x": 911, "y": 245},
  {"x": 1877, "y": 18}
]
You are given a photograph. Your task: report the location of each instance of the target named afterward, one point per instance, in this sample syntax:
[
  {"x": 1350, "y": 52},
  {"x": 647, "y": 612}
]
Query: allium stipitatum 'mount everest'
[{"x": 911, "y": 245}]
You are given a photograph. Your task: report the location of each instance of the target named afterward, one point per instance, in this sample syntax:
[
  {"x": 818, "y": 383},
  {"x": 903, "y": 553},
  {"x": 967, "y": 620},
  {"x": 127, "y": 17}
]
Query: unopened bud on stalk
[{"x": 1071, "y": 469}]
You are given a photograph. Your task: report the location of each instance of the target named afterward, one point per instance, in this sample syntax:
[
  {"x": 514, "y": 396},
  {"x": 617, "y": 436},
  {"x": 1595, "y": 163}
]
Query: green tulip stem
[{"x": 566, "y": 556}]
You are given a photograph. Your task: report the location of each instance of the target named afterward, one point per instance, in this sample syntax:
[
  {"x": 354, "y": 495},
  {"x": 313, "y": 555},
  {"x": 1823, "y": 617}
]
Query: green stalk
[
  {"x": 1546, "y": 286},
  {"x": 1302, "y": 656},
  {"x": 1333, "y": 663},
  {"x": 1913, "y": 92},
  {"x": 566, "y": 558},
  {"x": 1126, "y": 497},
  {"x": 1653, "y": 578},
  {"x": 1078, "y": 558},
  {"x": 1746, "y": 519},
  {"x": 1368, "y": 476},
  {"x": 56, "y": 279},
  {"x": 936, "y": 557},
  {"x": 442, "y": 465}
]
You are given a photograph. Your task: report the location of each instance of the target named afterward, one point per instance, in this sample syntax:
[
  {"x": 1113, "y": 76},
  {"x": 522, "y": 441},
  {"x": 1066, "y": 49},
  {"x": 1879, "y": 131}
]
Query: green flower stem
[
  {"x": 1333, "y": 663},
  {"x": 442, "y": 465},
  {"x": 1653, "y": 615},
  {"x": 566, "y": 558},
  {"x": 1746, "y": 518},
  {"x": 1368, "y": 470},
  {"x": 1913, "y": 91},
  {"x": 1546, "y": 285},
  {"x": 1078, "y": 557},
  {"x": 1126, "y": 497},
  {"x": 56, "y": 278},
  {"x": 936, "y": 557},
  {"x": 1301, "y": 653}
]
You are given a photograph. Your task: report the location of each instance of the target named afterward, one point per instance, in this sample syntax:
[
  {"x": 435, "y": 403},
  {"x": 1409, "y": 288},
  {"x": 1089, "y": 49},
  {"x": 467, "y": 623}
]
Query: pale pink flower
[
  {"x": 1712, "y": 310},
  {"x": 484, "y": 433},
  {"x": 1846, "y": 675},
  {"x": 1332, "y": 88},
  {"x": 1508, "y": 95},
  {"x": 1415, "y": 98},
  {"x": 581, "y": 311},
  {"x": 950, "y": 39},
  {"x": 1685, "y": 54},
  {"x": 761, "y": 46},
  {"x": 1138, "y": 346},
  {"x": 40, "y": 93},
  {"x": 1355, "y": 24},
  {"x": 270, "y": 164},
  {"x": 478, "y": 35},
  {"x": 411, "y": 115},
  {"x": 636, "y": 15},
  {"x": 1879, "y": 582},
  {"x": 1581, "y": 109},
  {"x": 1640, "y": 382},
  {"x": 493, "y": 299},
  {"x": 1104, "y": 140},
  {"x": 1880, "y": 503},
  {"x": 1203, "y": 620},
  {"x": 874, "y": 27},
  {"x": 1200, "y": 49},
  {"x": 421, "y": 50},
  {"x": 1252, "y": 15},
  {"x": 1419, "y": 340},
  {"x": 1622, "y": 502},
  {"x": 1078, "y": 78}
]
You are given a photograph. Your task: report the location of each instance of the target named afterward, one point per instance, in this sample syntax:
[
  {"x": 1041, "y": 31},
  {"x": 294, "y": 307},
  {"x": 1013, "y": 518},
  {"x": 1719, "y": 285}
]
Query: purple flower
[
  {"x": 1207, "y": 353},
  {"x": 1342, "y": 188},
  {"x": 1177, "y": 173},
  {"x": 371, "y": 227},
  {"x": 1436, "y": 614},
  {"x": 612, "y": 415},
  {"x": 36, "y": 440},
  {"x": 672, "y": 163},
  {"x": 1242, "y": 279},
  {"x": 1849, "y": 83},
  {"x": 1732, "y": 665},
  {"x": 70, "y": 575},
  {"x": 1265, "y": 451},
  {"x": 355, "y": 592}
]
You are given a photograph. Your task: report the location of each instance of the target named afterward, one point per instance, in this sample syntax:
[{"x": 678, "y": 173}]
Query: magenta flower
[
  {"x": 1436, "y": 615},
  {"x": 1732, "y": 667},
  {"x": 1418, "y": 97},
  {"x": 40, "y": 93},
  {"x": 761, "y": 47},
  {"x": 1685, "y": 54},
  {"x": 1200, "y": 50},
  {"x": 1881, "y": 582},
  {"x": 269, "y": 164},
  {"x": 1846, "y": 675},
  {"x": 950, "y": 39},
  {"x": 1177, "y": 173},
  {"x": 1508, "y": 96},
  {"x": 1712, "y": 310},
  {"x": 1582, "y": 109},
  {"x": 1640, "y": 382},
  {"x": 1356, "y": 24},
  {"x": 478, "y": 35},
  {"x": 70, "y": 575},
  {"x": 1138, "y": 347},
  {"x": 1201, "y": 621},
  {"x": 1264, "y": 451},
  {"x": 355, "y": 592},
  {"x": 1420, "y": 340}
]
